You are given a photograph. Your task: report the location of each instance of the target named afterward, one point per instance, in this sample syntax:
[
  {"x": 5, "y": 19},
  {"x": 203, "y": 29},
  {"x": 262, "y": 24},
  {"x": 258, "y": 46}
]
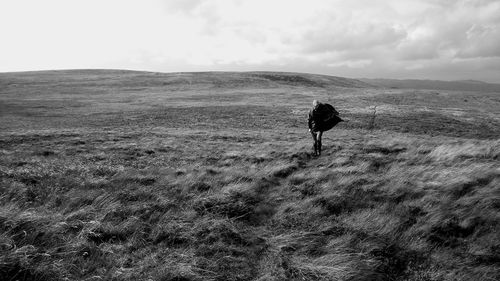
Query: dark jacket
[{"x": 323, "y": 117}]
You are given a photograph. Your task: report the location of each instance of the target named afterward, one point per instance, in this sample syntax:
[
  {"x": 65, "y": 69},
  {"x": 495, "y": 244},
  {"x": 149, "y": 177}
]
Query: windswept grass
[
  {"x": 138, "y": 195},
  {"x": 398, "y": 208}
]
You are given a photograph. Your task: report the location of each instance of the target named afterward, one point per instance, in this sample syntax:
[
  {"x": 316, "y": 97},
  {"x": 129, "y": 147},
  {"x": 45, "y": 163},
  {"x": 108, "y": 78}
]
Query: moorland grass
[
  {"x": 391, "y": 208},
  {"x": 100, "y": 180}
]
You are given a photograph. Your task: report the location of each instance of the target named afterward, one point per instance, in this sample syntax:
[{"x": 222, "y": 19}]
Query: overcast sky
[{"x": 429, "y": 39}]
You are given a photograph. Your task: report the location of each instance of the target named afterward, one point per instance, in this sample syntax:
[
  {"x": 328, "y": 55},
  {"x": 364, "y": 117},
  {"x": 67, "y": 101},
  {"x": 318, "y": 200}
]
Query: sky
[{"x": 418, "y": 39}]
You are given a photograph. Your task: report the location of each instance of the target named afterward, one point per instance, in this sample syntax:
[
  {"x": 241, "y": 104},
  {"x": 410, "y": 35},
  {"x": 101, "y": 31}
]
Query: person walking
[{"x": 322, "y": 117}]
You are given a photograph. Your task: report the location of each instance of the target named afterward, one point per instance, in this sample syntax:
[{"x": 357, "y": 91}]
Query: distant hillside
[
  {"x": 124, "y": 78},
  {"x": 462, "y": 85},
  {"x": 307, "y": 79}
]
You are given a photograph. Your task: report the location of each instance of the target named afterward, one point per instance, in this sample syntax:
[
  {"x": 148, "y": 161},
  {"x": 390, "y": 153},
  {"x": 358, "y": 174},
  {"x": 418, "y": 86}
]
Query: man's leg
[
  {"x": 320, "y": 135},
  {"x": 315, "y": 142}
]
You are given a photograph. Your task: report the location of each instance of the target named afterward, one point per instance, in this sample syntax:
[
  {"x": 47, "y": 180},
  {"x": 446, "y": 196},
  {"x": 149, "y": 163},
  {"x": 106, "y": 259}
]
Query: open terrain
[
  {"x": 123, "y": 175},
  {"x": 459, "y": 85}
]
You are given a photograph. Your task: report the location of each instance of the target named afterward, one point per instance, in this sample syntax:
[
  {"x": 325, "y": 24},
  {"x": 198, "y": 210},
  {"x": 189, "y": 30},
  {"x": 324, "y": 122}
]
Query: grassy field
[{"x": 121, "y": 175}]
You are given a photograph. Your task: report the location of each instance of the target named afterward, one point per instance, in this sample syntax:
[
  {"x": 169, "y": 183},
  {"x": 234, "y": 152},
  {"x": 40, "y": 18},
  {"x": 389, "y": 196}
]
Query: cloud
[
  {"x": 454, "y": 28},
  {"x": 349, "y": 37},
  {"x": 181, "y": 6},
  {"x": 482, "y": 41}
]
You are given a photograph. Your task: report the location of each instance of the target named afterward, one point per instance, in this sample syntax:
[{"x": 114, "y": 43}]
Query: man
[{"x": 322, "y": 117}]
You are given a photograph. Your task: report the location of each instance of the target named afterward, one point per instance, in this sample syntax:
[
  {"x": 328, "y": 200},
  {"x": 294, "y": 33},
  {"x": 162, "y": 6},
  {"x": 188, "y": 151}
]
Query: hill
[
  {"x": 462, "y": 85},
  {"x": 120, "y": 175},
  {"x": 125, "y": 78}
]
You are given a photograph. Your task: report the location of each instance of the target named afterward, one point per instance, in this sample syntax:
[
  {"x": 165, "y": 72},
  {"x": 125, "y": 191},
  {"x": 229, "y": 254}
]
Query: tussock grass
[
  {"x": 386, "y": 209},
  {"x": 468, "y": 150},
  {"x": 208, "y": 189}
]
